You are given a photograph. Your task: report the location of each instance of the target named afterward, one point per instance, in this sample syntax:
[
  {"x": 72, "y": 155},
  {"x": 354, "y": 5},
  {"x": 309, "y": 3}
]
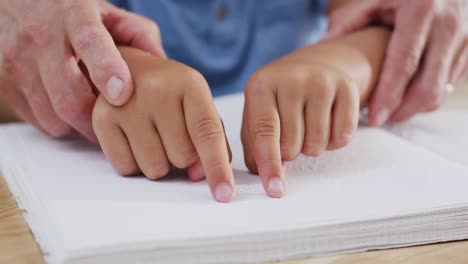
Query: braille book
[{"x": 403, "y": 185}]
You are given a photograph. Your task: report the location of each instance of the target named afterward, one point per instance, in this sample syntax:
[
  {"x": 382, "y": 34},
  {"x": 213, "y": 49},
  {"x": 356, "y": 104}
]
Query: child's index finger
[
  {"x": 207, "y": 134},
  {"x": 264, "y": 135}
]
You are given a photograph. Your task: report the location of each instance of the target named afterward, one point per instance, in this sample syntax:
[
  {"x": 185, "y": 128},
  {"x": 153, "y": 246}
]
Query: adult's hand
[
  {"x": 428, "y": 50},
  {"x": 41, "y": 43}
]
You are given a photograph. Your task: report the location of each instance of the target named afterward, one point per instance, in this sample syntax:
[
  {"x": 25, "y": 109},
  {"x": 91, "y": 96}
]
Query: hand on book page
[
  {"x": 308, "y": 102},
  {"x": 284, "y": 119},
  {"x": 170, "y": 120}
]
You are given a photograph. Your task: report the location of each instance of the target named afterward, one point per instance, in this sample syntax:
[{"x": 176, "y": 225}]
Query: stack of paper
[{"x": 386, "y": 189}]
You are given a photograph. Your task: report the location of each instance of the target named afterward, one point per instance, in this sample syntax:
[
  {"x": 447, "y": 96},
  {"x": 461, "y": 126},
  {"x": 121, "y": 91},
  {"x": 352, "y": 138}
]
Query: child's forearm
[{"x": 362, "y": 54}]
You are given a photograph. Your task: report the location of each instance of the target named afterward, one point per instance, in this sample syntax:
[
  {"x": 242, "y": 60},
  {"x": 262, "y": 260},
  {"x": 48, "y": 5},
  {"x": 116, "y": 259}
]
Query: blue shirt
[{"x": 227, "y": 40}]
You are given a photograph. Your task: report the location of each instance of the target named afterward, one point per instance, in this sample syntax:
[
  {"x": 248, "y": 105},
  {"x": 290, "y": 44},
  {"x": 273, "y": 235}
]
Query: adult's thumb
[{"x": 94, "y": 45}]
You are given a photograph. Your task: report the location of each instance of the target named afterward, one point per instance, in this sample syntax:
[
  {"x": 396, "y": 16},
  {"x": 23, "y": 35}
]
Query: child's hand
[
  {"x": 170, "y": 120},
  {"x": 303, "y": 103},
  {"x": 308, "y": 102}
]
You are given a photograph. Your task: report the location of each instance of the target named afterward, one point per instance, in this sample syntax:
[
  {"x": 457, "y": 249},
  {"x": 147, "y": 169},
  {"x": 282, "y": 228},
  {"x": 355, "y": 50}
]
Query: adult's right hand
[
  {"x": 41, "y": 43},
  {"x": 428, "y": 51}
]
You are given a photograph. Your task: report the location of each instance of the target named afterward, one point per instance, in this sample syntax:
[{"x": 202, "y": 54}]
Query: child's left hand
[{"x": 303, "y": 103}]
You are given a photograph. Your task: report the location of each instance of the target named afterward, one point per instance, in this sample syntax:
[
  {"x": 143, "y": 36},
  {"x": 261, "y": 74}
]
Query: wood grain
[{"x": 17, "y": 245}]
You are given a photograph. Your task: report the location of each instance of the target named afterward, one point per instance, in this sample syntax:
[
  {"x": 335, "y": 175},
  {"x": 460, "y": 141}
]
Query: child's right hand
[{"x": 170, "y": 120}]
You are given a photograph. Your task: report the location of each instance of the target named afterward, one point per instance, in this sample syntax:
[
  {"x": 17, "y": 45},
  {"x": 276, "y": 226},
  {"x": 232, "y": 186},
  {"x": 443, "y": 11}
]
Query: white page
[
  {"x": 444, "y": 132},
  {"x": 87, "y": 209}
]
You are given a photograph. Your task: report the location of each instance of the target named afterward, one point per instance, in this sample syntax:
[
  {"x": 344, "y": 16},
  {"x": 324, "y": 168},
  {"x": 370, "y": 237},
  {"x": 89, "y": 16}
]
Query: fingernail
[
  {"x": 115, "y": 87},
  {"x": 382, "y": 117},
  {"x": 223, "y": 193},
  {"x": 276, "y": 187}
]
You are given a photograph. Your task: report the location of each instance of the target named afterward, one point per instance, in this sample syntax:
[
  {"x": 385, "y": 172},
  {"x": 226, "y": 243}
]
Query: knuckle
[
  {"x": 452, "y": 22},
  {"x": 87, "y": 37},
  {"x": 56, "y": 128},
  {"x": 410, "y": 65},
  {"x": 265, "y": 128},
  {"x": 193, "y": 77},
  {"x": 36, "y": 33},
  {"x": 344, "y": 136},
  {"x": 102, "y": 111},
  {"x": 350, "y": 92},
  {"x": 388, "y": 98},
  {"x": 52, "y": 123},
  {"x": 257, "y": 85},
  {"x": 10, "y": 58},
  {"x": 155, "y": 88},
  {"x": 71, "y": 109},
  {"x": 315, "y": 134},
  {"x": 432, "y": 98},
  {"x": 288, "y": 153},
  {"x": 311, "y": 150},
  {"x": 206, "y": 130},
  {"x": 299, "y": 76},
  {"x": 187, "y": 157},
  {"x": 149, "y": 81},
  {"x": 126, "y": 168},
  {"x": 348, "y": 83},
  {"x": 66, "y": 111},
  {"x": 145, "y": 21},
  {"x": 153, "y": 25},
  {"x": 313, "y": 145},
  {"x": 321, "y": 84},
  {"x": 157, "y": 170}
]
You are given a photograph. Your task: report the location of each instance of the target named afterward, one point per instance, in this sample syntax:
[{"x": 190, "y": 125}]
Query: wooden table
[{"x": 17, "y": 244}]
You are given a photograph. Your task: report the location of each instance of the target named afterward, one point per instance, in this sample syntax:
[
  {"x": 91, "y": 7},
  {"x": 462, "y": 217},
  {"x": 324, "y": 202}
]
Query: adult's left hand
[{"x": 428, "y": 51}]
